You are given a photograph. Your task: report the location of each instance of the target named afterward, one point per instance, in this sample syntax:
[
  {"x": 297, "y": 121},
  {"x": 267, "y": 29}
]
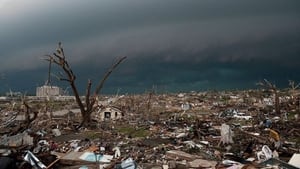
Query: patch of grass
[
  {"x": 133, "y": 132},
  {"x": 92, "y": 135}
]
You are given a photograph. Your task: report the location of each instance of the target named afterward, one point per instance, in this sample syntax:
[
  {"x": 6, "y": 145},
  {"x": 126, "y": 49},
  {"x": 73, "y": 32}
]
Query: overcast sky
[{"x": 175, "y": 45}]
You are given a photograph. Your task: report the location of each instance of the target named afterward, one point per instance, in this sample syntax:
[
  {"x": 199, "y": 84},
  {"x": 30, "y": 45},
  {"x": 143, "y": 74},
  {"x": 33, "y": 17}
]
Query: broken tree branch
[{"x": 100, "y": 85}]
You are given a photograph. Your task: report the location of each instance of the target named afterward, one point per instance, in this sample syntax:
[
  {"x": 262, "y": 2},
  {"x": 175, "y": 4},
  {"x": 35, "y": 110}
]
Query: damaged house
[{"x": 110, "y": 113}]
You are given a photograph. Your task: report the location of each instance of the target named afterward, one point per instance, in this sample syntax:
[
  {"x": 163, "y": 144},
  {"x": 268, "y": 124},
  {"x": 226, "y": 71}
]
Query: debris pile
[{"x": 186, "y": 130}]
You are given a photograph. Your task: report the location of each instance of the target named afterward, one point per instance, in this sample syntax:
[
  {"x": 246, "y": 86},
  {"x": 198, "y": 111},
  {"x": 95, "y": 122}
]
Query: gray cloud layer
[{"x": 178, "y": 35}]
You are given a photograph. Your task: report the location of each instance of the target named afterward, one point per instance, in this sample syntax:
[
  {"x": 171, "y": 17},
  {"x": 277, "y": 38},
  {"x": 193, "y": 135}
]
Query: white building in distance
[{"x": 48, "y": 91}]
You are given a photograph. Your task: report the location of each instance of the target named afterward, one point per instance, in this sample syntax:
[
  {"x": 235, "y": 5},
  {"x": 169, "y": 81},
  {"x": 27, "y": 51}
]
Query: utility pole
[
  {"x": 50, "y": 59},
  {"x": 149, "y": 104}
]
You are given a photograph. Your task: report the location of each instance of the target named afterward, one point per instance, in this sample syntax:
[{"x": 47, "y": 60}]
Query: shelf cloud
[{"x": 187, "y": 45}]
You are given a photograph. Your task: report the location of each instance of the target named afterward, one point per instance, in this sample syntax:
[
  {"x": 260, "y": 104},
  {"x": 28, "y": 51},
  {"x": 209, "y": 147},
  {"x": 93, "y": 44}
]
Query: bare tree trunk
[{"x": 86, "y": 109}]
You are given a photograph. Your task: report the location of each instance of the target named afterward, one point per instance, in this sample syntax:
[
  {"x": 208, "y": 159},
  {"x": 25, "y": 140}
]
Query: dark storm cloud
[{"x": 178, "y": 43}]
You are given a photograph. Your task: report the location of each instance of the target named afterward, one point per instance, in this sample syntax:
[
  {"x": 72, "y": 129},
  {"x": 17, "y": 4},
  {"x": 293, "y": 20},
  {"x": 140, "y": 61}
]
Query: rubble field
[{"x": 236, "y": 129}]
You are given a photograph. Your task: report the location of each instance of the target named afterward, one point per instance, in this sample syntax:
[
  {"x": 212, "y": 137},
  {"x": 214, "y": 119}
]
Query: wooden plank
[{"x": 50, "y": 165}]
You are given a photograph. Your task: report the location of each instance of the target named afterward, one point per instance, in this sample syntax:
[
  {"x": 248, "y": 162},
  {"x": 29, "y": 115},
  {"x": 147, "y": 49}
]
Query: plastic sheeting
[
  {"x": 89, "y": 156},
  {"x": 127, "y": 164}
]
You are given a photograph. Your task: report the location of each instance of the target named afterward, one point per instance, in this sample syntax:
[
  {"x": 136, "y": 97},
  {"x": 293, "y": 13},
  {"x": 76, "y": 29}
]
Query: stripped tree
[
  {"x": 293, "y": 89},
  {"x": 86, "y": 109},
  {"x": 295, "y": 98},
  {"x": 271, "y": 87}
]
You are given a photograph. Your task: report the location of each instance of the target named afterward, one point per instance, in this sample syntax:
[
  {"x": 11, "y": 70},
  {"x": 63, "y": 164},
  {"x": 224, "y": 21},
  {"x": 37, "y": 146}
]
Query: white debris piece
[
  {"x": 226, "y": 134},
  {"x": 56, "y": 132},
  {"x": 117, "y": 152},
  {"x": 295, "y": 160}
]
